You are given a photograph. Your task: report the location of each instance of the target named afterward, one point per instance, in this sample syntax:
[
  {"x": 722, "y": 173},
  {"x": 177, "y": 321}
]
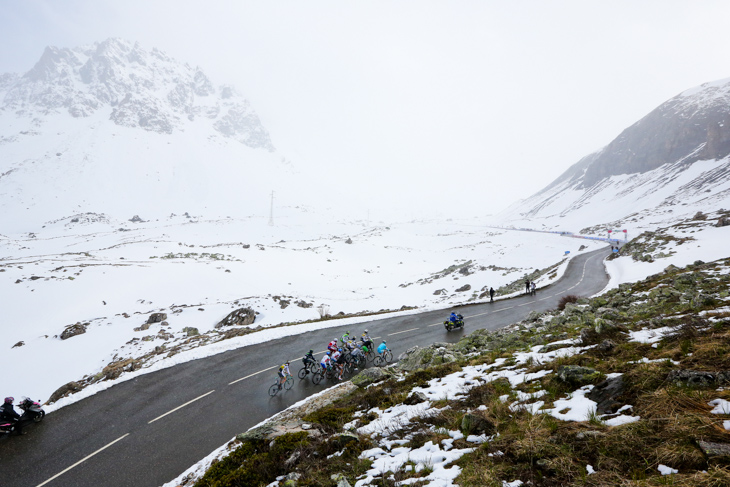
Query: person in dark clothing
[
  {"x": 309, "y": 358},
  {"x": 7, "y": 413},
  {"x": 527, "y": 286},
  {"x": 340, "y": 365},
  {"x": 491, "y": 294}
]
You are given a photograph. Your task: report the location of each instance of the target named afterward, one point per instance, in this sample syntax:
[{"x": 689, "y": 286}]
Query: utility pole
[{"x": 271, "y": 211}]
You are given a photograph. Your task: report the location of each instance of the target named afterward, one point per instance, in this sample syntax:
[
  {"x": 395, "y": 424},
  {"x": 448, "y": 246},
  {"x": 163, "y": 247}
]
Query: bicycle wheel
[
  {"x": 378, "y": 361},
  {"x": 314, "y": 367},
  {"x": 330, "y": 373},
  {"x": 303, "y": 372},
  {"x": 388, "y": 356},
  {"x": 370, "y": 356},
  {"x": 289, "y": 382},
  {"x": 274, "y": 390},
  {"x": 361, "y": 363}
]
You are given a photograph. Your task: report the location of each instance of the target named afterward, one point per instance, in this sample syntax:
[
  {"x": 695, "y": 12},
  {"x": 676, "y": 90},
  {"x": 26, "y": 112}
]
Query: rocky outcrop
[
  {"x": 715, "y": 450},
  {"x": 576, "y": 375},
  {"x": 74, "y": 330},
  {"x": 698, "y": 379},
  {"x": 371, "y": 376},
  {"x": 115, "y": 369},
  {"x": 723, "y": 221},
  {"x": 239, "y": 317},
  {"x": 606, "y": 395},
  {"x": 64, "y": 391},
  {"x": 421, "y": 358},
  {"x": 156, "y": 318},
  {"x": 290, "y": 420}
]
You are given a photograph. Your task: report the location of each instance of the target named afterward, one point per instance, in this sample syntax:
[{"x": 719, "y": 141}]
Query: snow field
[{"x": 88, "y": 272}]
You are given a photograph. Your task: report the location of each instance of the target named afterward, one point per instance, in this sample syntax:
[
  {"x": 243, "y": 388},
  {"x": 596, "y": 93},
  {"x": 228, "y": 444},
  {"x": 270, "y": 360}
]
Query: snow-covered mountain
[
  {"x": 145, "y": 89},
  {"x": 671, "y": 162},
  {"x": 114, "y": 128}
]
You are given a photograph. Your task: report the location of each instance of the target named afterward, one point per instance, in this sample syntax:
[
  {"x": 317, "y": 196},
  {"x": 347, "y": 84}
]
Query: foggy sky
[{"x": 404, "y": 103}]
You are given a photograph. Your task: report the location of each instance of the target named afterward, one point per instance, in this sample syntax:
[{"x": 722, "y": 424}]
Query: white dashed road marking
[
  {"x": 180, "y": 407},
  {"x": 399, "y": 332},
  {"x": 83, "y": 460}
]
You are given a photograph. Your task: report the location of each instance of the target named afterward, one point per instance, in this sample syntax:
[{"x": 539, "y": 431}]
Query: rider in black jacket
[{"x": 7, "y": 413}]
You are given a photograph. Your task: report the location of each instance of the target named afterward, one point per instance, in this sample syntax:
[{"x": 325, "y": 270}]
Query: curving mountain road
[{"x": 146, "y": 431}]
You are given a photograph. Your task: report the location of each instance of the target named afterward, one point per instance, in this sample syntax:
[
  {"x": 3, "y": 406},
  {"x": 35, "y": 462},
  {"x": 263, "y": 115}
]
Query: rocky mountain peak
[
  {"x": 692, "y": 126},
  {"x": 136, "y": 87},
  {"x": 677, "y": 155}
]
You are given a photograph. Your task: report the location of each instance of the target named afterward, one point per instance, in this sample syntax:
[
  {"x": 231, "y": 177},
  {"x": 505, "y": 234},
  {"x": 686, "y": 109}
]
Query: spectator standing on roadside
[
  {"x": 527, "y": 286},
  {"x": 533, "y": 288},
  {"x": 491, "y": 294}
]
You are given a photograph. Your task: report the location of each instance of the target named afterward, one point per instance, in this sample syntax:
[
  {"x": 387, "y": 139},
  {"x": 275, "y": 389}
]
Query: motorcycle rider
[
  {"x": 453, "y": 318},
  {"x": 7, "y": 413}
]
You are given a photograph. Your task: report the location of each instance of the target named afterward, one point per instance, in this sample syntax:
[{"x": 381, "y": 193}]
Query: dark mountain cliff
[{"x": 692, "y": 126}]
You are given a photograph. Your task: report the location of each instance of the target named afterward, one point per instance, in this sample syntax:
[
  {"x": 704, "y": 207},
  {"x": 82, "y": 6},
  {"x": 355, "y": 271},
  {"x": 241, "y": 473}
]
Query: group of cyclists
[{"x": 344, "y": 355}]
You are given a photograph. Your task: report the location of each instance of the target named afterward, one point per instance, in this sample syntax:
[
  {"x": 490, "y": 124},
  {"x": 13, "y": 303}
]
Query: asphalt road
[{"x": 146, "y": 431}]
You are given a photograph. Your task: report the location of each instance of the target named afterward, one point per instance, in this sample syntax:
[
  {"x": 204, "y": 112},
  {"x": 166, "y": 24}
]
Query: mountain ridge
[
  {"x": 145, "y": 89},
  {"x": 648, "y": 167},
  {"x": 111, "y": 128}
]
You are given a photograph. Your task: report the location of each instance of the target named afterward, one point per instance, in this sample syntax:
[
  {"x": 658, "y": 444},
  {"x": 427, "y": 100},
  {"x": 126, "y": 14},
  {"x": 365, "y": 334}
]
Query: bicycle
[
  {"x": 309, "y": 367},
  {"x": 370, "y": 356},
  {"x": 274, "y": 389},
  {"x": 359, "y": 362},
  {"x": 322, "y": 373},
  {"x": 383, "y": 358}
]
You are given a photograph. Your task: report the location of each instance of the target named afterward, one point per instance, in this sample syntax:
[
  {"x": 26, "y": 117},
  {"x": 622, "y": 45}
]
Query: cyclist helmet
[
  {"x": 339, "y": 350},
  {"x": 383, "y": 341},
  {"x": 311, "y": 351},
  {"x": 287, "y": 362},
  {"x": 365, "y": 331},
  {"x": 9, "y": 400},
  {"x": 329, "y": 353}
]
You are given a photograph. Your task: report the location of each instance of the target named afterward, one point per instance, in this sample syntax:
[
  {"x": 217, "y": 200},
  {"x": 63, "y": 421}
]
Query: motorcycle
[
  {"x": 450, "y": 325},
  {"x": 32, "y": 412}
]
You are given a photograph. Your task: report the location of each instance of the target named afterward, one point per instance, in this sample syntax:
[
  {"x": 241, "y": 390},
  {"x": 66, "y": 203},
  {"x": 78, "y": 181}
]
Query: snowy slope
[{"x": 88, "y": 272}]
